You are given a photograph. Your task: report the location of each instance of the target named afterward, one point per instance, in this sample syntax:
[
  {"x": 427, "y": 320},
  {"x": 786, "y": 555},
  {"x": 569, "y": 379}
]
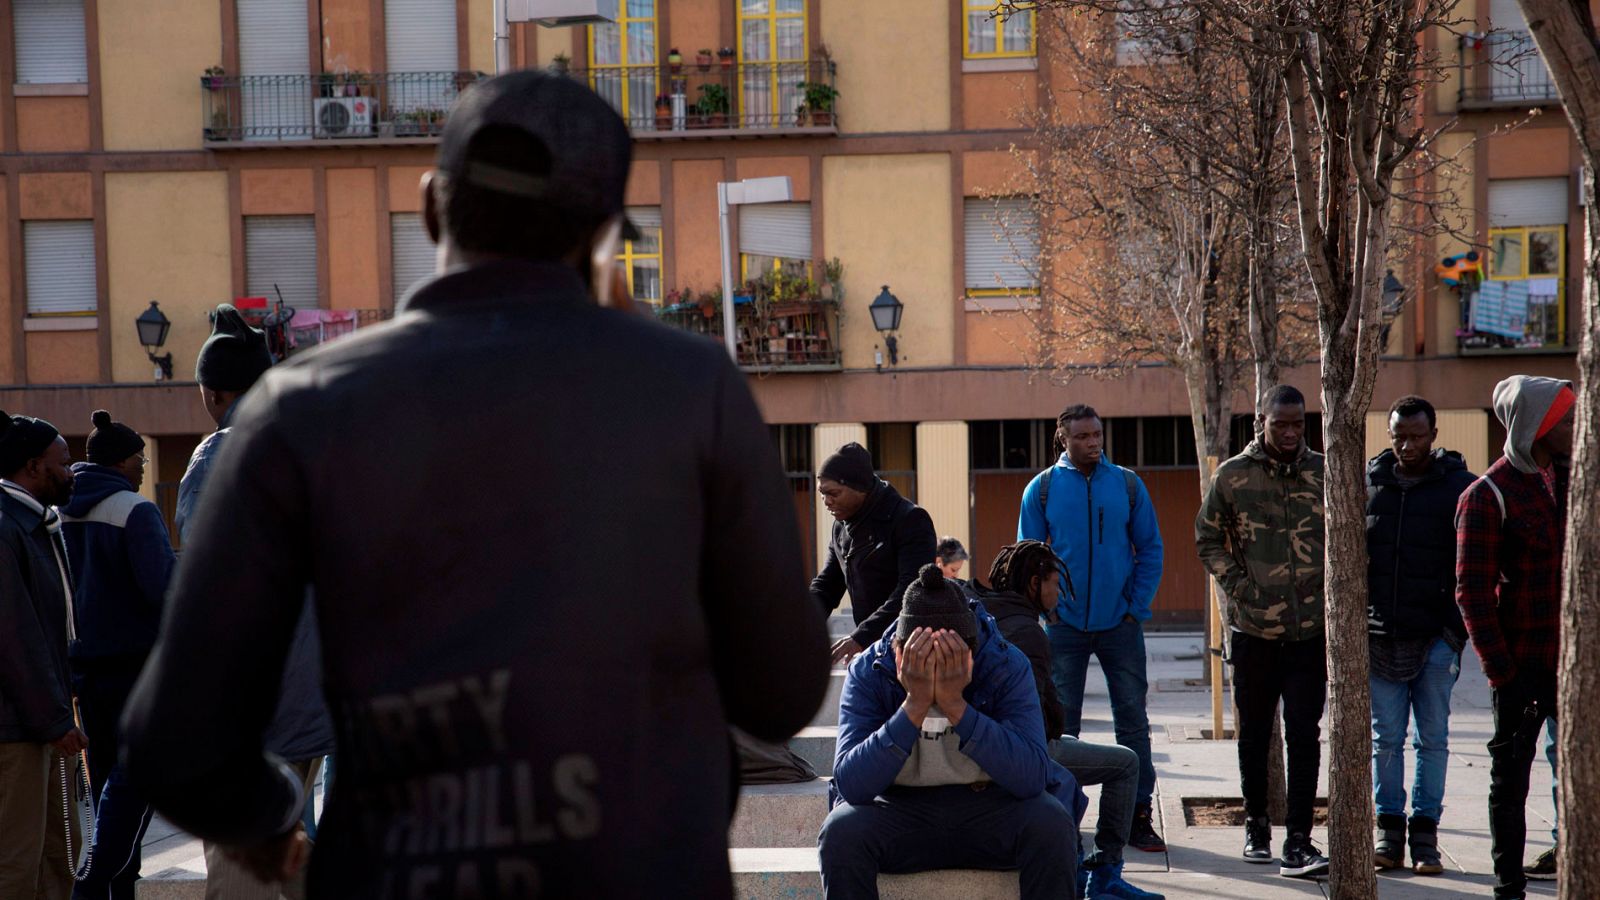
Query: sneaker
[
  {"x": 1142, "y": 836},
  {"x": 1105, "y": 883},
  {"x": 1301, "y": 858},
  {"x": 1543, "y": 868},
  {"x": 1258, "y": 840}
]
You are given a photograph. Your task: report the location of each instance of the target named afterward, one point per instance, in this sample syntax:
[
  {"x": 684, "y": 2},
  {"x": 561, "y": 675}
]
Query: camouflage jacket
[{"x": 1260, "y": 532}]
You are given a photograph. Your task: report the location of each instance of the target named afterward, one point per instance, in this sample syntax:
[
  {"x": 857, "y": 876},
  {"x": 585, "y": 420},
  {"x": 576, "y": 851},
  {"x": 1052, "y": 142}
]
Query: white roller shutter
[
  {"x": 420, "y": 35},
  {"x": 275, "y": 58},
  {"x": 50, "y": 43},
  {"x": 647, "y": 217},
  {"x": 1002, "y": 243},
  {"x": 410, "y": 252},
  {"x": 1506, "y": 15},
  {"x": 281, "y": 251},
  {"x": 776, "y": 229},
  {"x": 59, "y": 264},
  {"x": 1527, "y": 201}
]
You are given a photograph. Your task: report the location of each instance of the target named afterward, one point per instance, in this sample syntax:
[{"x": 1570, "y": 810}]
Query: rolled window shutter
[
  {"x": 275, "y": 55},
  {"x": 281, "y": 251},
  {"x": 1002, "y": 244},
  {"x": 420, "y": 35},
  {"x": 776, "y": 229},
  {"x": 410, "y": 252},
  {"x": 1527, "y": 201},
  {"x": 50, "y": 43},
  {"x": 644, "y": 217},
  {"x": 59, "y": 267}
]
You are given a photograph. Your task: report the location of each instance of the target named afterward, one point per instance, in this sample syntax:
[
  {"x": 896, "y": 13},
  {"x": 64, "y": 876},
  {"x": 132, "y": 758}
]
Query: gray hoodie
[{"x": 1520, "y": 403}]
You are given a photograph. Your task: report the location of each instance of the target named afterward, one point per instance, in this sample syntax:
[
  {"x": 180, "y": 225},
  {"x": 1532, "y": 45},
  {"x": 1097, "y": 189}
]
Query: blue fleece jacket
[
  {"x": 1111, "y": 546},
  {"x": 1002, "y": 730},
  {"x": 121, "y": 559}
]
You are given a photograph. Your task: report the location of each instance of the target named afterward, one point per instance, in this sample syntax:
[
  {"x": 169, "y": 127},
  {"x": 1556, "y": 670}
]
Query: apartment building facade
[{"x": 197, "y": 151}]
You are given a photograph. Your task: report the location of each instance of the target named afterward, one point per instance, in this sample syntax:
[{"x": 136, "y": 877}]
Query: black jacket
[
  {"x": 35, "y": 682},
  {"x": 1019, "y": 622},
  {"x": 875, "y": 556},
  {"x": 1411, "y": 548},
  {"x": 554, "y": 557}
]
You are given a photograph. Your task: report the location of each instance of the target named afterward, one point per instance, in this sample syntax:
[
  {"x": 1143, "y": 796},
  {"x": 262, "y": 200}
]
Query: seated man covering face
[{"x": 941, "y": 761}]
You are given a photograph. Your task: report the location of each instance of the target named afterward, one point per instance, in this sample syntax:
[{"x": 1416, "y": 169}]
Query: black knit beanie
[
  {"x": 111, "y": 442},
  {"x": 234, "y": 356},
  {"x": 932, "y": 601},
  {"x": 21, "y": 439},
  {"x": 851, "y": 466}
]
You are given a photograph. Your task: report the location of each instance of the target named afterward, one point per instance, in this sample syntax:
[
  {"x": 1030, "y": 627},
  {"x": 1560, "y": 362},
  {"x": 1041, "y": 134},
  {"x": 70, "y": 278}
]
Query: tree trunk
[{"x": 1565, "y": 34}]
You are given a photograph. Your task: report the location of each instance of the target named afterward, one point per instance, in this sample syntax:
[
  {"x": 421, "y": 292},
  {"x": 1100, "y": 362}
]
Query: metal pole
[
  {"x": 727, "y": 272},
  {"x": 502, "y": 38}
]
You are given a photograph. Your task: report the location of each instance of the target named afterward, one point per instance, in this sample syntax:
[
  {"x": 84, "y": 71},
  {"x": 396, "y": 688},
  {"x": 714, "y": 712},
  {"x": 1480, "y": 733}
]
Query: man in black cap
[
  {"x": 121, "y": 561},
  {"x": 941, "y": 759},
  {"x": 38, "y": 730},
  {"x": 510, "y": 723},
  {"x": 229, "y": 362},
  {"x": 880, "y": 539}
]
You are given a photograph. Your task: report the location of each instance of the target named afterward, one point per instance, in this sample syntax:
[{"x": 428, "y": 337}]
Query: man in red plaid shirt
[{"x": 1510, "y": 533}]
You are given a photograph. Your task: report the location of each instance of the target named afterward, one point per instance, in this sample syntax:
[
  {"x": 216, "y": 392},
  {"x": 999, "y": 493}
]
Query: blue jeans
[
  {"x": 1121, "y": 654},
  {"x": 1116, "y": 769},
  {"x": 918, "y": 829},
  {"x": 1394, "y": 703}
]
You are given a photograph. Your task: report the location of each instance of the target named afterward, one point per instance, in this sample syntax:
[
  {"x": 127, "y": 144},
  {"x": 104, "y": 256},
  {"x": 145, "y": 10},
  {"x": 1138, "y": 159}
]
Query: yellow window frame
[
  {"x": 629, "y": 256},
  {"x": 1522, "y": 232},
  {"x": 622, "y": 23},
  {"x": 968, "y": 7},
  {"x": 772, "y": 17}
]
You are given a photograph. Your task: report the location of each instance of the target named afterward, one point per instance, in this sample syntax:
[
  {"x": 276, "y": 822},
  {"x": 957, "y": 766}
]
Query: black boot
[
  {"x": 1425, "y": 858},
  {"x": 1391, "y": 850}
]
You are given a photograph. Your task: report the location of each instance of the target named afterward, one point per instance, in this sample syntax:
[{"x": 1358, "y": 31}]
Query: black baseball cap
[{"x": 584, "y": 173}]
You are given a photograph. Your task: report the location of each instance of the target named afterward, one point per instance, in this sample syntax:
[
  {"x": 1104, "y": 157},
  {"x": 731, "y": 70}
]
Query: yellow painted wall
[
  {"x": 825, "y": 439},
  {"x": 151, "y": 55},
  {"x": 167, "y": 240},
  {"x": 1465, "y": 431},
  {"x": 64, "y": 357},
  {"x": 405, "y": 193},
  {"x": 52, "y": 124},
  {"x": 1456, "y": 177},
  {"x": 888, "y": 218},
  {"x": 480, "y": 39},
  {"x": 901, "y": 84},
  {"x": 942, "y": 478},
  {"x": 353, "y": 244}
]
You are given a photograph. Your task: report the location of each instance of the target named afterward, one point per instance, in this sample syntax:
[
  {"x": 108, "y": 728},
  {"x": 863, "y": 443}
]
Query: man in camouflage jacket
[{"x": 1260, "y": 533}]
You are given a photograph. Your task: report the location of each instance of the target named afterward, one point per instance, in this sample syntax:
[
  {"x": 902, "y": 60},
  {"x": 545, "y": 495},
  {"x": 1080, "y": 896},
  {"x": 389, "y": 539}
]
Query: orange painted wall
[
  {"x": 996, "y": 338},
  {"x": 52, "y": 124},
  {"x": 644, "y": 183},
  {"x": 1532, "y": 152},
  {"x": 8, "y": 321},
  {"x": 403, "y": 193},
  {"x": 347, "y": 36},
  {"x": 695, "y": 24},
  {"x": 694, "y": 222},
  {"x": 991, "y": 99},
  {"x": 275, "y": 192},
  {"x": 353, "y": 238},
  {"x": 798, "y": 168},
  {"x": 65, "y": 195},
  {"x": 991, "y": 171},
  {"x": 63, "y": 357}
]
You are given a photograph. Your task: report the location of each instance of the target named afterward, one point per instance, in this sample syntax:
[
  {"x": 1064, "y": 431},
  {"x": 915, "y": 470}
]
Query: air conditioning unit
[{"x": 343, "y": 117}]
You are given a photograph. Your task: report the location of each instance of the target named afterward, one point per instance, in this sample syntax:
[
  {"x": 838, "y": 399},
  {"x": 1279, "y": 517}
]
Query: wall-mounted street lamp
[
  {"x": 153, "y": 326},
  {"x": 886, "y": 309}
]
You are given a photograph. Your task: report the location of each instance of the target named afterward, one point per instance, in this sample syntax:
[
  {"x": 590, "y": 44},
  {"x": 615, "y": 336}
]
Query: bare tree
[{"x": 1564, "y": 31}]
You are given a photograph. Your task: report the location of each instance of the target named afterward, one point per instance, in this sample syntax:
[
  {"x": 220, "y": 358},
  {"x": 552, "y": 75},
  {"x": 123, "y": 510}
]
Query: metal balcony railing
[
  {"x": 790, "y": 336},
  {"x": 1503, "y": 68},
  {"x": 690, "y": 100},
  {"x": 328, "y": 107}
]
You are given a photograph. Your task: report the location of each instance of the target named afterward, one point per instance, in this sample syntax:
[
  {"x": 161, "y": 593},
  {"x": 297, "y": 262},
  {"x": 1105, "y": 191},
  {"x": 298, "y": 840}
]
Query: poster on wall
[{"x": 1501, "y": 307}]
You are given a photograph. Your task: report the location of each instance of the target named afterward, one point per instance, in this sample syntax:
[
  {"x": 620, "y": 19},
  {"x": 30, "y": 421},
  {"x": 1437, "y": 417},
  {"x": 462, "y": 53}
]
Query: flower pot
[
  {"x": 703, "y": 61},
  {"x": 717, "y": 120},
  {"x": 727, "y": 62},
  {"x": 664, "y": 119},
  {"x": 822, "y": 118}
]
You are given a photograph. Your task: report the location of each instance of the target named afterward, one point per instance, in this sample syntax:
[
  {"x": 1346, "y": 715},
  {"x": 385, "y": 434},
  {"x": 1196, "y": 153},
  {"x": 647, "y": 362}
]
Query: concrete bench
[
  {"x": 780, "y": 815},
  {"x": 794, "y": 873}
]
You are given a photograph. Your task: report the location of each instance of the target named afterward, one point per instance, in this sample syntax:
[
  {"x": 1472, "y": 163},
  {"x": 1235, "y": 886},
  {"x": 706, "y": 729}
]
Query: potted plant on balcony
[
  {"x": 674, "y": 60},
  {"x": 819, "y": 101},
  {"x": 712, "y": 107},
  {"x": 213, "y": 79},
  {"x": 725, "y": 56},
  {"x": 561, "y": 64},
  {"x": 663, "y": 112},
  {"x": 832, "y": 275},
  {"x": 702, "y": 59}
]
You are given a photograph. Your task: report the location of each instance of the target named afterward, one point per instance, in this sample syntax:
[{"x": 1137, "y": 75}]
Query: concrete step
[
  {"x": 815, "y": 745},
  {"x": 828, "y": 713},
  {"x": 780, "y": 815},
  {"x": 794, "y": 873}
]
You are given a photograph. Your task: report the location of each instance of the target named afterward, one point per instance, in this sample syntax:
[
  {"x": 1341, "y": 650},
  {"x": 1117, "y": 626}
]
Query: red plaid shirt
[{"x": 1508, "y": 573}]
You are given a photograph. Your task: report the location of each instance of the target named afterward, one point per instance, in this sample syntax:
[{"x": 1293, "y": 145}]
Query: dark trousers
[
  {"x": 121, "y": 813},
  {"x": 912, "y": 829},
  {"x": 1520, "y": 711},
  {"x": 1265, "y": 672}
]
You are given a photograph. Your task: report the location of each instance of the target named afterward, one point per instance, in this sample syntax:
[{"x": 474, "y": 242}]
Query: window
[
  {"x": 641, "y": 259},
  {"x": 794, "y": 448},
  {"x": 773, "y": 234},
  {"x": 1523, "y": 300},
  {"x": 1002, "y": 247},
  {"x": 1149, "y": 33},
  {"x": 411, "y": 253},
  {"x": 622, "y": 60},
  {"x": 992, "y": 33},
  {"x": 420, "y": 46},
  {"x": 280, "y": 257},
  {"x": 772, "y": 50},
  {"x": 893, "y": 446},
  {"x": 59, "y": 270},
  {"x": 1020, "y": 444},
  {"x": 50, "y": 44},
  {"x": 275, "y": 58}
]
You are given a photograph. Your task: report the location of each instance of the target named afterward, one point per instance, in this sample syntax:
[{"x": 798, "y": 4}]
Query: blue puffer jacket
[
  {"x": 1002, "y": 731},
  {"x": 121, "y": 559}
]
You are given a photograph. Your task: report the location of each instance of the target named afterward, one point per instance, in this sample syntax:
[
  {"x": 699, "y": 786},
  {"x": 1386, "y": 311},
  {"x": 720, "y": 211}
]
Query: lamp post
[
  {"x": 153, "y": 326},
  {"x": 886, "y": 309},
  {"x": 738, "y": 193}
]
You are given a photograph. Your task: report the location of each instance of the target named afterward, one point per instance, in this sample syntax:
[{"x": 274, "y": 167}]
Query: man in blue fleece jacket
[
  {"x": 941, "y": 759},
  {"x": 1098, "y": 518}
]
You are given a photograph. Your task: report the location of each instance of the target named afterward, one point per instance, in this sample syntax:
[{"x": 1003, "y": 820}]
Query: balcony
[
  {"x": 748, "y": 99},
  {"x": 783, "y": 322},
  {"x": 1503, "y": 69},
  {"x": 328, "y": 109}
]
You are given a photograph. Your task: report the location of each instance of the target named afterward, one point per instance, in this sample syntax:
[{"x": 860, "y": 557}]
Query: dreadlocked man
[{"x": 1025, "y": 583}]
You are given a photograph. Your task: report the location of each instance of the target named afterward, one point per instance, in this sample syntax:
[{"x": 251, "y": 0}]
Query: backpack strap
[
  {"x": 1044, "y": 503},
  {"x": 1498, "y": 497},
  {"x": 1132, "y": 485}
]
